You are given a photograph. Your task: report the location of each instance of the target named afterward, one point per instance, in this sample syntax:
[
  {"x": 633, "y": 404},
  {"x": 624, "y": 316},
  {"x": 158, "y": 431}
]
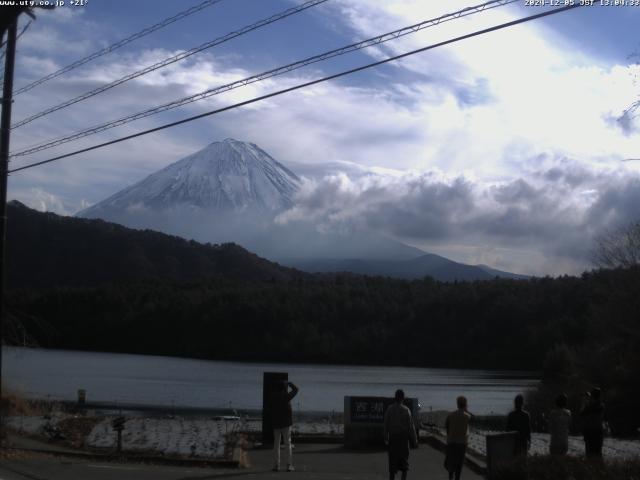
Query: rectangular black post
[{"x": 270, "y": 379}]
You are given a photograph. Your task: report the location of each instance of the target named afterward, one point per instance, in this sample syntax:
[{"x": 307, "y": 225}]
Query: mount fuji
[
  {"x": 224, "y": 176},
  {"x": 231, "y": 191}
]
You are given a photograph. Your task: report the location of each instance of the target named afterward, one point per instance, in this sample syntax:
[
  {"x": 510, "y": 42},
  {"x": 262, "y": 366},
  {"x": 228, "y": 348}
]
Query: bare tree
[
  {"x": 631, "y": 113},
  {"x": 619, "y": 247}
]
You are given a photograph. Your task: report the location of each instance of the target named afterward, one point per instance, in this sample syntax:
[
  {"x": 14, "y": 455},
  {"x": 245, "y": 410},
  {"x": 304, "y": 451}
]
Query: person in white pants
[
  {"x": 285, "y": 435},
  {"x": 281, "y": 420}
]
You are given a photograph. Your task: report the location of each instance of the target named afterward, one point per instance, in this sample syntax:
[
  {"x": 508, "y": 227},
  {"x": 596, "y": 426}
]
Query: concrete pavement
[{"x": 312, "y": 461}]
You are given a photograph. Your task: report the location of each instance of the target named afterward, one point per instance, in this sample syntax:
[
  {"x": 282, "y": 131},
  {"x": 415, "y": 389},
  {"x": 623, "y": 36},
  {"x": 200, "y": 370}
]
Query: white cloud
[
  {"x": 44, "y": 201},
  {"x": 544, "y": 223}
]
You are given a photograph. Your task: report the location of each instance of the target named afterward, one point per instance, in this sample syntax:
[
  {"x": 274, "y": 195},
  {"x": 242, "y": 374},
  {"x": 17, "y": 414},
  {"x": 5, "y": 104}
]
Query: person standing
[
  {"x": 520, "y": 421},
  {"x": 593, "y": 424},
  {"x": 399, "y": 434},
  {"x": 457, "y": 425},
  {"x": 559, "y": 424},
  {"x": 282, "y": 419}
]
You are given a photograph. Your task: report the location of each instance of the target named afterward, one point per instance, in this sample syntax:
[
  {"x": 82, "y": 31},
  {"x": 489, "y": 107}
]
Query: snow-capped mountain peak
[{"x": 224, "y": 176}]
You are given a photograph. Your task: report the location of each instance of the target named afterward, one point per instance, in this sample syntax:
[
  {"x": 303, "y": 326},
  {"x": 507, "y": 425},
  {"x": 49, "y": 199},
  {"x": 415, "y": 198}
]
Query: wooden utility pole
[{"x": 5, "y": 135}]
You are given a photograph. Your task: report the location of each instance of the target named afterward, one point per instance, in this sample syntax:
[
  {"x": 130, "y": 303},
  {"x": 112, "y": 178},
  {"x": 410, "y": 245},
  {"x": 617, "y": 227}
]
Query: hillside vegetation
[{"x": 46, "y": 250}]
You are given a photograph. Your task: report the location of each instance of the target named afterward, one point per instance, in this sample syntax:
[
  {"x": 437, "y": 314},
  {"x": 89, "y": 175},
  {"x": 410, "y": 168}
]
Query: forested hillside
[{"x": 46, "y": 250}]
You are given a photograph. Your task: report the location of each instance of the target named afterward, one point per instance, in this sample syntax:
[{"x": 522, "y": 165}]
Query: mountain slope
[
  {"x": 502, "y": 274},
  {"x": 224, "y": 176},
  {"x": 44, "y": 249},
  {"x": 429, "y": 265}
]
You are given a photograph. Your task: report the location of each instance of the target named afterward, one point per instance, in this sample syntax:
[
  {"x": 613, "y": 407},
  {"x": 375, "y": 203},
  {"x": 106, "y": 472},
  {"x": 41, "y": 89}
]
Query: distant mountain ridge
[{"x": 429, "y": 265}]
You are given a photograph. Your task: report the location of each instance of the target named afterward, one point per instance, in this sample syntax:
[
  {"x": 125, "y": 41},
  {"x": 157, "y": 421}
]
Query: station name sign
[{"x": 370, "y": 410}]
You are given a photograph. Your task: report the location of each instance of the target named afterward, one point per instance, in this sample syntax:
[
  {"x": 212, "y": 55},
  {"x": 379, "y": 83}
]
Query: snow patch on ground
[
  {"x": 174, "y": 436},
  {"x": 612, "y": 448},
  {"x": 29, "y": 425},
  {"x": 207, "y": 438},
  {"x": 321, "y": 427}
]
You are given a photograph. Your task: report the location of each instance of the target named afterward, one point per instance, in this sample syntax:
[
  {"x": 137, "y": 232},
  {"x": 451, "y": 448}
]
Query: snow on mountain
[{"x": 224, "y": 176}]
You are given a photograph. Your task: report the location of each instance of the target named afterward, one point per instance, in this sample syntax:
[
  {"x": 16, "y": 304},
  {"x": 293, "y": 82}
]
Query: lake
[{"x": 143, "y": 380}]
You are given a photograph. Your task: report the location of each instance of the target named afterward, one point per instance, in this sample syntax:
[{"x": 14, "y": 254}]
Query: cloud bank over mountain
[{"x": 541, "y": 223}]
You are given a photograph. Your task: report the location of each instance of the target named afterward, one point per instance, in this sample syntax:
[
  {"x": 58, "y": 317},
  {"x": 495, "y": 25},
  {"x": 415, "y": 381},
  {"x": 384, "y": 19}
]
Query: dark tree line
[{"x": 579, "y": 331}]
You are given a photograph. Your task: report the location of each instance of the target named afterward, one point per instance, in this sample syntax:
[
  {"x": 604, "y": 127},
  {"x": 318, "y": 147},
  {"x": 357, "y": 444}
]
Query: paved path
[
  {"x": 334, "y": 462},
  {"x": 317, "y": 462}
]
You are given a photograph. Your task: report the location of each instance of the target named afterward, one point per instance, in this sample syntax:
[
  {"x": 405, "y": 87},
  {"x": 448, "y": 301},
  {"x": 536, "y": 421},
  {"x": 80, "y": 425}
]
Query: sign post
[
  {"x": 118, "y": 426},
  {"x": 270, "y": 380},
  {"x": 364, "y": 419},
  {"x": 501, "y": 450}
]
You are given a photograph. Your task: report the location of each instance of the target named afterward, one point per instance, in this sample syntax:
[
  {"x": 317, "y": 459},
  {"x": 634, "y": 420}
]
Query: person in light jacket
[
  {"x": 457, "y": 425},
  {"x": 399, "y": 434},
  {"x": 559, "y": 425}
]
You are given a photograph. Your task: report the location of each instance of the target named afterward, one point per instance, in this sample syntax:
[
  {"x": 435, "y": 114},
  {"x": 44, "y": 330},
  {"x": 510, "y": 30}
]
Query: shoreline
[{"x": 515, "y": 373}]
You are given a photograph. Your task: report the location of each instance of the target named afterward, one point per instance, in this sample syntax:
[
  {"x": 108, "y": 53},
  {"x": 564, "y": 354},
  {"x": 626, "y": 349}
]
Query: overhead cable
[
  {"x": 121, "y": 43},
  {"x": 264, "y": 75},
  {"x": 304, "y": 85},
  {"x": 173, "y": 59},
  {"x": 4, "y": 51}
]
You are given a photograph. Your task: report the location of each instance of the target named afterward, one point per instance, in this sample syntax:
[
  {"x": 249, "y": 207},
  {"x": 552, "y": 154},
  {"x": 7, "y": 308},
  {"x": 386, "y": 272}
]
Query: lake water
[{"x": 143, "y": 380}]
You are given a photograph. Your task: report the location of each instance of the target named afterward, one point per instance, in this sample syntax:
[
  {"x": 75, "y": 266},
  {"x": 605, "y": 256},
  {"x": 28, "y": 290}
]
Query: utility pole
[
  {"x": 5, "y": 135},
  {"x": 8, "y": 23}
]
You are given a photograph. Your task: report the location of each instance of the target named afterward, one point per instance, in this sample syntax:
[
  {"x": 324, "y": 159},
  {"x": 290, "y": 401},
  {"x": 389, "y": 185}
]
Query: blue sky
[{"x": 504, "y": 150}]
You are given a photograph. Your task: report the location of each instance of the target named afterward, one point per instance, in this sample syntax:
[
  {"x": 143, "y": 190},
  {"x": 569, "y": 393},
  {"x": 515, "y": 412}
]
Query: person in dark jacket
[
  {"x": 399, "y": 434},
  {"x": 281, "y": 420},
  {"x": 593, "y": 424},
  {"x": 520, "y": 421}
]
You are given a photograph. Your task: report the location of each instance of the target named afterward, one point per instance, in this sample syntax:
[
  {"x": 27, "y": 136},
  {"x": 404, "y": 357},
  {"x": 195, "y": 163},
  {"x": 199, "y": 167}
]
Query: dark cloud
[
  {"x": 557, "y": 220},
  {"x": 476, "y": 93},
  {"x": 573, "y": 175},
  {"x": 427, "y": 209},
  {"x": 628, "y": 121},
  {"x": 514, "y": 192},
  {"x": 617, "y": 204}
]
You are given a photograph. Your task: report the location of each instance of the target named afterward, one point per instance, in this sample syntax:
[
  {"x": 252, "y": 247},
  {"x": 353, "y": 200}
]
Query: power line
[
  {"x": 173, "y": 59},
  {"x": 303, "y": 85},
  {"x": 24, "y": 29},
  {"x": 265, "y": 75},
  {"x": 121, "y": 43}
]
